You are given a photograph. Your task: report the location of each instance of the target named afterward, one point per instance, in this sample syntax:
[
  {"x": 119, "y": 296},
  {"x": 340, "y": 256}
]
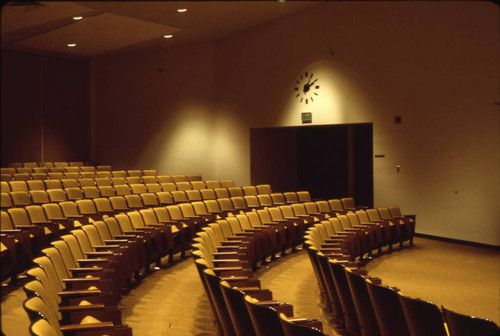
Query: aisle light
[
  {"x": 182, "y": 10},
  {"x": 71, "y": 45}
]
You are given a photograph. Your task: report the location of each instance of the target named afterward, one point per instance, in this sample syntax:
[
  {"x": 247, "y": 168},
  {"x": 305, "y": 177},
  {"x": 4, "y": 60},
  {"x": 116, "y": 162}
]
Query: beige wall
[{"x": 435, "y": 64}]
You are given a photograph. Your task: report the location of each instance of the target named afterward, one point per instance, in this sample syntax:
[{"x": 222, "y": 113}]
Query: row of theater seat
[
  {"x": 25, "y": 174},
  {"x": 225, "y": 253},
  {"x": 235, "y": 242},
  {"x": 361, "y": 304},
  {"x": 150, "y": 229},
  {"x": 48, "y": 220},
  {"x": 78, "y": 281},
  {"x": 34, "y": 164}
]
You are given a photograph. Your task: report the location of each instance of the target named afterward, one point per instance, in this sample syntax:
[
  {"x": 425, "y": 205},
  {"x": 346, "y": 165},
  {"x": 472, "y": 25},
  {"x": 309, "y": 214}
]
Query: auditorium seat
[
  {"x": 300, "y": 326},
  {"x": 36, "y": 185},
  {"x": 362, "y": 302},
  {"x": 179, "y": 178},
  {"x": 153, "y": 187},
  {"x": 227, "y": 183},
  {"x": 212, "y": 184},
  {"x": 463, "y": 325},
  {"x": 424, "y": 318},
  {"x": 39, "y": 197},
  {"x": 388, "y": 310}
]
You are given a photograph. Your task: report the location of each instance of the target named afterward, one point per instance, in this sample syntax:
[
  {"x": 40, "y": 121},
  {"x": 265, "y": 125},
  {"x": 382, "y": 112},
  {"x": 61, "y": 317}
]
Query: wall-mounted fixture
[{"x": 306, "y": 117}]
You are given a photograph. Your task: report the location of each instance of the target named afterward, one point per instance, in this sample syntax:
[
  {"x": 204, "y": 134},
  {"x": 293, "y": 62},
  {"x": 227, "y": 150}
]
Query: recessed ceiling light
[
  {"x": 182, "y": 10},
  {"x": 168, "y": 36},
  {"x": 71, "y": 45},
  {"x": 77, "y": 17}
]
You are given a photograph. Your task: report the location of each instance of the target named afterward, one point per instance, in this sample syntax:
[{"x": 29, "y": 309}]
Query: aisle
[
  {"x": 169, "y": 302},
  {"x": 292, "y": 280}
]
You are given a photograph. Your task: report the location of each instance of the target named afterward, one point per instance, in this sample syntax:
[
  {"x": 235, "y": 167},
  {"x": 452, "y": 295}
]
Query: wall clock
[{"x": 307, "y": 87}]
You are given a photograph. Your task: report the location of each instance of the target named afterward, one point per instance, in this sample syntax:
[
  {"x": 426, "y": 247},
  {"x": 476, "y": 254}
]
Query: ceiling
[{"x": 113, "y": 27}]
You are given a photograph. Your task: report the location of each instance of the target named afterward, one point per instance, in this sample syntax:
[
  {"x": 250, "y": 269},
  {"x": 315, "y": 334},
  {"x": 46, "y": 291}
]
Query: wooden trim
[{"x": 458, "y": 241}]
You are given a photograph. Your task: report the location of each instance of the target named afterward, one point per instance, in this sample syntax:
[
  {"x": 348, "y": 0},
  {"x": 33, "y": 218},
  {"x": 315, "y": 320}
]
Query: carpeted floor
[{"x": 171, "y": 301}]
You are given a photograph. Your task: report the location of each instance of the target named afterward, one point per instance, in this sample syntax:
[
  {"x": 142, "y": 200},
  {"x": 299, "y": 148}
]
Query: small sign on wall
[{"x": 306, "y": 117}]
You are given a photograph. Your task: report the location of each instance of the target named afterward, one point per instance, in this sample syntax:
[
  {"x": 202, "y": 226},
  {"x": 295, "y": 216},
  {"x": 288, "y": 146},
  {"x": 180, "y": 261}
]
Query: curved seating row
[
  {"x": 361, "y": 304},
  {"x": 225, "y": 253}
]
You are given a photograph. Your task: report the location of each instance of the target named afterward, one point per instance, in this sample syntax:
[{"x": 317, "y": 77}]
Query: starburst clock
[{"x": 307, "y": 87}]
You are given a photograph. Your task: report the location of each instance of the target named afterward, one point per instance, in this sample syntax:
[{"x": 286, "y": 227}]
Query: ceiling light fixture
[
  {"x": 182, "y": 10},
  {"x": 71, "y": 45},
  {"x": 168, "y": 36},
  {"x": 77, "y": 17}
]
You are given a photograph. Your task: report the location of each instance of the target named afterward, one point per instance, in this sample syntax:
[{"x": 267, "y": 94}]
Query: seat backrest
[
  {"x": 149, "y": 172},
  {"x": 461, "y": 325},
  {"x": 265, "y": 319},
  {"x": 87, "y": 175},
  {"x": 193, "y": 195},
  {"x": 164, "y": 179},
  {"x": 199, "y": 208},
  {"x": 373, "y": 215},
  {"x": 291, "y": 197},
  {"x": 119, "y": 173},
  {"x": 165, "y": 198},
  {"x": 345, "y": 297},
  {"x": 19, "y": 216},
  {"x": 179, "y": 178},
  {"x": 198, "y": 185},
  {"x": 423, "y": 317},
  {"x": 225, "y": 204},
  {"x": 86, "y": 207},
  {"x": 103, "y": 181},
  {"x": 39, "y": 196},
  {"x": 134, "y": 172},
  {"x": 235, "y": 191},
  {"x": 138, "y": 188},
  {"x": 212, "y": 281},
  {"x": 236, "y": 307},
  {"x": 362, "y": 303},
  {"x": 293, "y": 329},
  {"x": 53, "y": 211},
  {"x": 86, "y": 182},
  {"x": 91, "y": 192},
  {"x": 153, "y": 187},
  {"x": 36, "y": 185},
  {"x": 264, "y": 189},
  {"x": 133, "y": 180},
  {"x": 107, "y": 191},
  {"x": 252, "y": 201},
  {"x": 149, "y": 199},
  {"x": 184, "y": 186},
  {"x": 168, "y": 186},
  {"x": 122, "y": 190},
  {"x": 388, "y": 310},
  {"x": 118, "y": 203},
  {"x": 336, "y": 205},
  {"x": 149, "y": 179},
  {"x": 187, "y": 210},
  {"x": 194, "y": 177},
  {"x": 179, "y": 196},
  {"x": 134, "y": 201},
  {"x": 74, "y": 193},
  {"x": 265, "y": 200},
  {"x": 42, "y": 327},
  {"x": 20, "y": 198},
  {"x": 212, "y": 184},
  {"x": 250, "y": 191},
  {"x": 221, "y": 193},
  {"x": 278, "y": 199},
  {"x": 208, "y": 194},
  {"x": 348, "y": 203},
  {"x": 304, "y": 196},
  {"x": 226, "y": 183},
  {"x": 239, "y": 203}
]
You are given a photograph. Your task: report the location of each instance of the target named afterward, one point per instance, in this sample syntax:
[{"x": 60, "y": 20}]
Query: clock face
[{"x": 306, "y": 87}]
